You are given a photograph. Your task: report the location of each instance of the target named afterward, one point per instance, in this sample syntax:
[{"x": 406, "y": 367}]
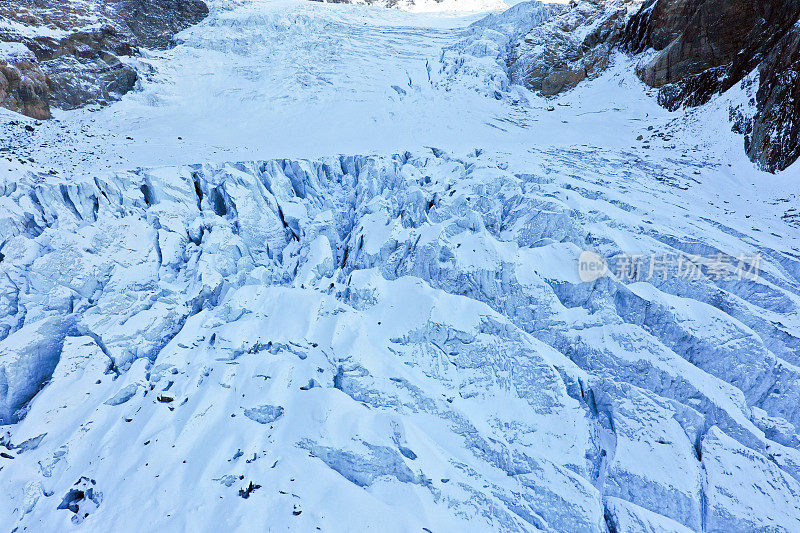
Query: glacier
[
  {"x": 398, "y": 340},
  {"x": 408, "y": 329}
]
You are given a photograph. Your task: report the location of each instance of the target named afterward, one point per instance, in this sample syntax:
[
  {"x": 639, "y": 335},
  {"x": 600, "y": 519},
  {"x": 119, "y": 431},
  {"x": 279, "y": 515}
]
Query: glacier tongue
[{"x": 394, "y": 343}]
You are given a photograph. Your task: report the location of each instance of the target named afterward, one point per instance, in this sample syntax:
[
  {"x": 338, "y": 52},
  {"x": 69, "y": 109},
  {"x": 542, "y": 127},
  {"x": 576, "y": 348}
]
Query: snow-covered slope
[
  {"x": 398, "y": 341},
  {"x": 431, "y": 6}
]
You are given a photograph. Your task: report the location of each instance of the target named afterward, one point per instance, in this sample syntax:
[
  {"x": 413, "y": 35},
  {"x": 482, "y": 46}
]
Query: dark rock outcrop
[
  {"x": 691, "y": 51},
  {"x": 706, "y": 47},
  {"x": 74, "y": 82},
  {"x": 574, "y": 46},
  {"x": 23, "y": 88},
  {"x": 71, "y": 50},
  {"x": 155, "y": 23},
  {"x": 773, "y": 139}
]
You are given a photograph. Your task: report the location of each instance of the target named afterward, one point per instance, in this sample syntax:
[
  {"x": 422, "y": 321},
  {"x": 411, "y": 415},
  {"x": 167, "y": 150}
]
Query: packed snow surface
[{"x": 321, "y": 273}]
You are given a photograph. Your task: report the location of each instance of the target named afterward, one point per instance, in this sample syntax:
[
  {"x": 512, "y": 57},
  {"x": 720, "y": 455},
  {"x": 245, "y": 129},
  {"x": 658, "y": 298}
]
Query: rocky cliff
[
  {"x": 690, "y": 50},
  {"x": 67, "y": 53},
  {"x": 571, "y": 47},
  {"x": 772, "y": 136},
  {"x": 705, "y": 47}
]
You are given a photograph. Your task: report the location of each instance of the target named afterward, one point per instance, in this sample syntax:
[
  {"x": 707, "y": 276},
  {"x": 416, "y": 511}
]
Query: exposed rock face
[
  {"x": 694, "y": 37},
  {"x": 72, "y": 49},
  {"x": 705, "y": 47},
  {"x": 84, "y": 67},
  {"x": 155, "y": 23},
  {"x": 23, "y": 88},
  {"x": 774, "y": 137},
  {"x": 657, "y": 24},
  {"x": 573, "y": 46}
]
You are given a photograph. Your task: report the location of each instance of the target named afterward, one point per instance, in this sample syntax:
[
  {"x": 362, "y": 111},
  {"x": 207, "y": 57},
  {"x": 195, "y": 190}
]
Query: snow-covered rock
[{"x": 65, "y": 53}]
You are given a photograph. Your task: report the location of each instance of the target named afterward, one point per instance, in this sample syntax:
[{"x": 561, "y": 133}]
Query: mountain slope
[
  {"x": 398, "y": 341},
  {"x": 690, "y": 50}
]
